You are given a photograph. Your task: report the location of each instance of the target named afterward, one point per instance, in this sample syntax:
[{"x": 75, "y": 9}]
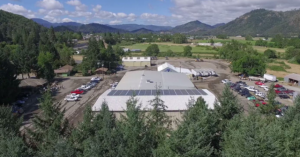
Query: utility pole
[{"x": 103, "y": 69}]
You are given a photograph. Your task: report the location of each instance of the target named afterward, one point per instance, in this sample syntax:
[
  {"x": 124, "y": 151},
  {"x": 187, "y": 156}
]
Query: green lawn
[
  {"x": 227, "y": 40},
  {"x": 174, "y": 48}
]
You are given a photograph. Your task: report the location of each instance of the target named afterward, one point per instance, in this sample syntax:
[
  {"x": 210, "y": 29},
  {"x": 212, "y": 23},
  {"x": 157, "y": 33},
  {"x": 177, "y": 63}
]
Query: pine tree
[
  {"x": 50, "y": 125},
  {"x": 194, "y": 136},
  {"x": 11, "y": 143},
  {"x": 134, "y": 132},
  {"x": 271, "y": 106},
  {"x": 158, "y": 122},
  {"x": 106, "y": 139}
]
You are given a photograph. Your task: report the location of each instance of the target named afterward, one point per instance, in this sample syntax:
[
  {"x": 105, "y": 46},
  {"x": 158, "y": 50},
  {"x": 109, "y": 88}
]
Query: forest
[{"x": 227, "y": 130}]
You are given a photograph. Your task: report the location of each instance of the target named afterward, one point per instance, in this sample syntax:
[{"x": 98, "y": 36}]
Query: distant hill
[
  {"x": 49, "y": 24},
  {"x": 95, "y": 28},
  {"x": 132, "y": 27},
  {"x": 263, "y": 22},
  {"x": 193, "y": 26},
  {"x": 219, "y": 25},
  {"x": 142, "y": 31},
  {"x": 63, "y": 29}
]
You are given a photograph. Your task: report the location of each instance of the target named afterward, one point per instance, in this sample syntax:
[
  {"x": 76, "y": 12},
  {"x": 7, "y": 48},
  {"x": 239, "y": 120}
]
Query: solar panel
[
  {"x": 148, "y": 92},
  {"x": 202, "y": 92},
  {"x": 129, "y": 93},
  {"x": 190, "y": 92},
  {"x": 184, "y": 92},
  {"x": 154, "y": 92},
  {"x": 196, "y": 92},
  {"x": 123, "y": 92},
  {"x": 142, "y": 92},
  {"x": 118, "y": 92},
  {"x": 111, "y": 93},
  {"x": 166, "y": 92},
  {"x": 178, "y": 92},
  {"x": 136, "y": 92},
  {"x": 172, "y": 92}
]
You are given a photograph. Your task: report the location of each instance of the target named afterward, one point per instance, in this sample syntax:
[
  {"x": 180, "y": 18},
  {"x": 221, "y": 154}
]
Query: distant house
[
  {"x": 218, "y": 44},
  {"x": 135, "y": 50},
  {"x": 136, "y": 61},
  {"x": 125, "y": 49},
  {"x": 101, "y": 71},
  {"x": 74, "y": 41},
  {"x": 64, "y": 71},
  {"x": 204, "y": 44}
]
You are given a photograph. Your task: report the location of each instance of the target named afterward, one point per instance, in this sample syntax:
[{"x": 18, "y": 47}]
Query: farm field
[
  {"x": 288, "y": 68},
  {"x": 164, "y": 47},
  {"x": 263, "y": 49}
]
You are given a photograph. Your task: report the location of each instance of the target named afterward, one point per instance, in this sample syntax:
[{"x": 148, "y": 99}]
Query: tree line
[
  {"x": 223, "y": 131},
  {"x": 153, "y": 50}
]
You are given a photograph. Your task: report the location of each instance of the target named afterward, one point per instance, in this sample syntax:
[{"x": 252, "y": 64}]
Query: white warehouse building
[
  {"x": 166, "y": 67},
  {"x": 175, "y": 93}
]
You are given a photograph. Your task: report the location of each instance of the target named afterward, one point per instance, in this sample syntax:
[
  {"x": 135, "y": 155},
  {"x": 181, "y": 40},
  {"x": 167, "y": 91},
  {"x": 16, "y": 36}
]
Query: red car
[
  {"x": 78, "y": 91},
  {"x": 277, "y": 86},
  {"x": 259, "y": 83},
  {"x": 259, "y": 102}
]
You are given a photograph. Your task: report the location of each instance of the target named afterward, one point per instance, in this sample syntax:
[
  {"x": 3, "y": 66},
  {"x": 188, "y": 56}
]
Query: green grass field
[
  {"x": 227, "y": 40},
  {"x": 174, "y": 48}
]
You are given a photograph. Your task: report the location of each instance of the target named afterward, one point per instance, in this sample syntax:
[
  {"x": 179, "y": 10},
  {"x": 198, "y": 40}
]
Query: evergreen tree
[
  {"x": 135, "y": 135},
  {"x": 11, "y": 143},
  {"x": 50, "y": 126},
  {"x": 194, "y": 136},
  {"x": 105, "y": 138},
  {"x": 159, "y": 123},
  {"x": 271, "y": 106}
]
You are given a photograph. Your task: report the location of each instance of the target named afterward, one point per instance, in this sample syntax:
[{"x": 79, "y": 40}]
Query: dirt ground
[{"x": 295, "y": 68}]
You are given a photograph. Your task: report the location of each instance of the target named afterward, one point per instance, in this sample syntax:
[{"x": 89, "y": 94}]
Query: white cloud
[
  {"x": 97, "y": 8},
  {"x": 115, "y": 22},
  {"x": 51, "y": 19},
  {"x": 81, "y": 14},
  {"x": 78, "y": 5},
  {"x": 217, "y": 11},
  {"x": 131, "y": 17},
  {"x": 121, "y": 15},
  {"x": 17, "y": 9},
  {"x": 55, "y": 13},
  {"x": 67, "y": 20},
  {"x": 50, "y": 4}
]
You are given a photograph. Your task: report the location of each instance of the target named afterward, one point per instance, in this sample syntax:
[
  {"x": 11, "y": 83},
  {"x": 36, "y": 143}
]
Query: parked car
[
  {"x": 74, "y": 95},
  {"x": 283, "y": 96},
  {"x": 280, "y": 112},
  {"x": 96, "y": 79},
  {"x": 262, "y": 86},
  {"x": 277, "y": 86},
  {"x": 251, "y": 98},
  {"x": 70, "y": 98},
  {"x": 259, "y": 83},
  {"x": 85, "y": 87},
  {"x": 248, "y": 95},
  {"x": 225, "y": 81},
  {"x": 78, "y": 91},
  {"x": 251, "y": 89},
  {"x": 266, "y": 88},
  {"x": 260, "y": 94},
  {"x": 280, "y": 90}
]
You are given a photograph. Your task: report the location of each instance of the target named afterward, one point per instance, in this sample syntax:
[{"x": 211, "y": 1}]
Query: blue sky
[{"x": 157, "y": 12}]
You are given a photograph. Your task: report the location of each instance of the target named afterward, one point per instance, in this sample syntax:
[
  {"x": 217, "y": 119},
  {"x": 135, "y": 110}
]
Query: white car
[
  {"x": 262, "y": 86},
  {"x": 260, "y": 94},
  {"x": 96, "y": 79},
  {"x": 74, "y": 95},
  {"x": 266, "y": 88},
  {"x": 225, "y": 81},
  {"x": 113, "y": 86},
  {"x": 71, "y": 99},
  {"x": 251, "y": 89},
  {"x": 85, "y": 87}
]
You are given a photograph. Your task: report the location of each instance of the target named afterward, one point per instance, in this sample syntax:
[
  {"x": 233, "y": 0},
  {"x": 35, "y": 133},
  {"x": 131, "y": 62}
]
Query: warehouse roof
[
  {"x": 183, "y": 70},
  {"x": 293, "y": 76},
  {"x": 131, "y": 59},
  {"x": 173, "y": 102},
  {"x": 164, "y": 66},
  {"x": 149, "y": 80}
]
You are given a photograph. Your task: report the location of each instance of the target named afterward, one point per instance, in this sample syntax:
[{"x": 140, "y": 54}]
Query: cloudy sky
[{"x": 158, "y": 12}]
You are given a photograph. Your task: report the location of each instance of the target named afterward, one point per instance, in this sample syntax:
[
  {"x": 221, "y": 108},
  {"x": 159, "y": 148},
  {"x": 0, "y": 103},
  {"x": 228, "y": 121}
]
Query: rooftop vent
[{"x": 149, "y": 81}]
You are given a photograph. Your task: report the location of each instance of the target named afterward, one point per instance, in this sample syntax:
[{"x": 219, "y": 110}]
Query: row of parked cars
[
  {"x": 76, "y": 94},
  {"x": 251, "y": 93}
]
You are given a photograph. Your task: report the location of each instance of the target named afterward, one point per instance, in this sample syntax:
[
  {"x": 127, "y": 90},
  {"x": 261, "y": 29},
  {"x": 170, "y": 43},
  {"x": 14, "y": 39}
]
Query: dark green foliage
[
  {"x": 222, "y": 36},
  {"x": 292, "y": 53},
  {"x": 270, "y": 53},
  {"x": 179, "y": 38},
  {"x": 194, "y": 136},
  {"x": 94, "y": 28},
  {"x": 100, "y": 136},
  {"x": 250, "y": 65},
  {"x": 11, "y": 143},
  {"x": 271, "y": 106},
  {"x": 8, "y": 82},
  {"x": 187, "y": 51},
  {"x": 152, "y": 50},
  {"x": 261, "y": 42},
  {"x": 50, "y": 126},
  {"x": 249, "y": 38},
  {"x": 135, "y": 135},
  {"x": 142, "y": 31},
  {"x": 192, "y": 26}
]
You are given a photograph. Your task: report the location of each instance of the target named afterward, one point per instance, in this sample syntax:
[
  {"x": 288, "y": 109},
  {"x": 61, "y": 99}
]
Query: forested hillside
[
  {"x": 26, "y": 47},
  {"x": 263, "y": 22},
  {"x": 193, "y": 26}
]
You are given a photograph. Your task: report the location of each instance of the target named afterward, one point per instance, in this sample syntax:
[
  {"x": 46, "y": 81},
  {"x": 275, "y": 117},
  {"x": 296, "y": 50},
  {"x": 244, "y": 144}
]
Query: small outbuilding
[
  {"x": 136, "y": 61},
  {"x": 101, "y": 71},
  {"x": 293, "y": 79},
  {"x": 64, "y": 71}
]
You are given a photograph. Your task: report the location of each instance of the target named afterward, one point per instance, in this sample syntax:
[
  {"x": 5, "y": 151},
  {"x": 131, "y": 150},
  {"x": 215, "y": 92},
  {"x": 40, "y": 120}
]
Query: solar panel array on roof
[{"x": 153, "y": 92}]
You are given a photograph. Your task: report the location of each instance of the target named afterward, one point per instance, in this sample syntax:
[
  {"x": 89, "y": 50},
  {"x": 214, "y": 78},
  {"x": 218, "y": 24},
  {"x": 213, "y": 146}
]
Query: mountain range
[{"x": 260, "y": 21}]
